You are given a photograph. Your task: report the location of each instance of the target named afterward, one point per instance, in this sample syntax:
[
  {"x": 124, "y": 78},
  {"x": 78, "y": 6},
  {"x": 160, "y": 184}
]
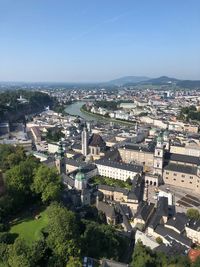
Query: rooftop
[
  {"x": 181, "y": 168},
  {"x": 182, "y": 158}
]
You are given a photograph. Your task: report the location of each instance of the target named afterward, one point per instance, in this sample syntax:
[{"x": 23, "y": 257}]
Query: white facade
[
  {"x": 115, "y": 173},
  {"x": 52, "y": 148},
  {"x": 193, "y": 234}
]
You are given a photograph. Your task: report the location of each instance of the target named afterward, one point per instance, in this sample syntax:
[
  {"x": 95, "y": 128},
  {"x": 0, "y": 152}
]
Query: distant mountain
[
  {"x": 164, "y": 80},
  {"x": 161, "y": 81},
  {"x": 127, "y": 79},
  {"x": 189, "y": 84}
]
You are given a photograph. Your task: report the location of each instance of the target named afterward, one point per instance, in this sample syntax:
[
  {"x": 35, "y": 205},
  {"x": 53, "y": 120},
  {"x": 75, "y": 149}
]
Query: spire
[
  {"x": 84, "y": 140},
  {"x": 60, "y": 153}
]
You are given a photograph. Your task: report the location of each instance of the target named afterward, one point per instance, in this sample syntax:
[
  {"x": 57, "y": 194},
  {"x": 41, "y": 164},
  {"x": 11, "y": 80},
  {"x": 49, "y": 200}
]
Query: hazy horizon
[{"x": 97, "y": 41}]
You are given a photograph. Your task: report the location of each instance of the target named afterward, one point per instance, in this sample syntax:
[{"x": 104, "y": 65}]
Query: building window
[
  {"x": 166, "y": 178},
  {"x": 183, "y": 175},
  {"x": 182, "y": 181},
  {"x": 175, "y": 174},
  {"x": 174, "y": 179},
  {"x": 158, "y": 153},
  {"x": 167, "y": 172},
  {"x": 191, "y": 177},
  {"x": 190, "y": 182}
]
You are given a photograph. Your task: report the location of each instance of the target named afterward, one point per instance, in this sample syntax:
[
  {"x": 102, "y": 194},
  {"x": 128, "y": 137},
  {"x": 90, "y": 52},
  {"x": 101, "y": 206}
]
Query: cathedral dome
[
  {"x": 80, "y": 176},
  {"x": 166, "y": 133},
  {"x": 159, "y": 138}
]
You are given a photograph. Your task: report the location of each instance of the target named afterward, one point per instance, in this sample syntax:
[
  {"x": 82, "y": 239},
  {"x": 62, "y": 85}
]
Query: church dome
[
  {"x": 80, "y": 176},
  {"x": 159, "y": 138},
  {"x": 166, "y": 133}
]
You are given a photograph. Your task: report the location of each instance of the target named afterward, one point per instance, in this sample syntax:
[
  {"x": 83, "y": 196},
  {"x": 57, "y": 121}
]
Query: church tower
[
  {"x": 84, "y": 140},
  {"x": 166, "y": 140},
  {"x": 158, "y": 156},
  {"x": 60, "y": 159}
]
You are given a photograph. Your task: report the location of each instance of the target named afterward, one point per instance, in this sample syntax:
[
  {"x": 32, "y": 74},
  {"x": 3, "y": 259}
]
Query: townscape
[
  {"x": 131, "y": 155},
  {"x": 99, "y": 133}
]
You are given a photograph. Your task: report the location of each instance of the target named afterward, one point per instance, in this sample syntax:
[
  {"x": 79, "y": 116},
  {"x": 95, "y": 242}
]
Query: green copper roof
[
  {"x": 159, "y": 138},
  {"x": 80, "y": 176},
  {"x": 166, "y": 133}
]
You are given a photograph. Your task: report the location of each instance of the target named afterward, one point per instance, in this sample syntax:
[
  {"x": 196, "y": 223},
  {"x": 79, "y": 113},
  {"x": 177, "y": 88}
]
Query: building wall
[
  {"x": 189, "y": 181},
  {"x": 115, "y": 173},
  {"x": 120, "y": 197},
  {"x": 192, "y": 234},
  {"x": 52, "y": 148},
  {"x": 138, "y": 156},
  {"x": 186, "y": 150},
  {"x": 190, "y": 128}
]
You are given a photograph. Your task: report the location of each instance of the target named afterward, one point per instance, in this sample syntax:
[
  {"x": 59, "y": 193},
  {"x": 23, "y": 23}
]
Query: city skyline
[{"x": 94, "y": 41}]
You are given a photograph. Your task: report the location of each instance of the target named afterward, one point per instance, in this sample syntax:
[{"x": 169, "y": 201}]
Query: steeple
[
  {"x": 60, "y": 159},
  {"x": 84, "y": 141},
  {"x": 60, "y": 153},
  {"x": 158, "y": 156}
]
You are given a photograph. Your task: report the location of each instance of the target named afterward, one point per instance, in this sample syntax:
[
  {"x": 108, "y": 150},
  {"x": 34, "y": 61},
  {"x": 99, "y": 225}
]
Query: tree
[
  {"x": 193, "y": 214},
  {"x": 47, "y": 183},
  {"x": 101, "y": 241},
  {"x": 3, "y": 252},
  {"x": 143, "y": 256},
  {"x": 19, "y": 254},
  {"x": 54, "y": 134},
  {"x": 19, "y": 180},
  {"x": 74, "y": 262},
  {"x": 159, "y": 240},
  {"x": 6, "y": 206},
  {"x": 22, "y": 254},
  {"x": 196, "y": 263},
  {"x": 63, "y": 232},
  {"x": 16, "y": 157}
]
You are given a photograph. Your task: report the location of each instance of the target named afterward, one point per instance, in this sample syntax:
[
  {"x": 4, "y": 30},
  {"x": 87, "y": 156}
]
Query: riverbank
[{"x": 82, "y": 109}]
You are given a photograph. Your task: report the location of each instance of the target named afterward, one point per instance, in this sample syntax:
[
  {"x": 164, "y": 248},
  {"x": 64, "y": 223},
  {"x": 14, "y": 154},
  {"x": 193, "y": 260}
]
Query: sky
[{"x": 98, "y": 40}]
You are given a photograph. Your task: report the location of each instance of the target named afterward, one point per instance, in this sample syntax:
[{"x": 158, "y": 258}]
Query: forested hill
[{"x": 13, "y": 109}]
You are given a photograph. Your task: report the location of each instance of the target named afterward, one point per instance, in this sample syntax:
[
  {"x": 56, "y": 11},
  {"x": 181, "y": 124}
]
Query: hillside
[
  {"x": 15, "y": 105},
  {"x": 127, "y": 79}
]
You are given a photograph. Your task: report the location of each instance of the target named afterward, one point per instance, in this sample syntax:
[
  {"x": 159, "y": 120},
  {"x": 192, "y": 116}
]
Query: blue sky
[{"x": 98, "y": 40}]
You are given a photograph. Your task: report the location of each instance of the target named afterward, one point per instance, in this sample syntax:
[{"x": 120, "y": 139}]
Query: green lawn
[
  {"x": 29, "y": 228},
  {"x": 109, "y": 181}
]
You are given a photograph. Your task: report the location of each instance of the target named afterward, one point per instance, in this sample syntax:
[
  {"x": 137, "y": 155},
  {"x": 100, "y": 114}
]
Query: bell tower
[
  {"x": 60, "y": 159},
  {"x": 84, "y": 140},
  {"x": 158, "y": 156}
]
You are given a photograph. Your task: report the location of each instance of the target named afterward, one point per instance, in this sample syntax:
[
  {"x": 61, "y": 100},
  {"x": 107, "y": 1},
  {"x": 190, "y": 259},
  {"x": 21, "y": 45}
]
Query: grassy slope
[{"x": 30, "y": 228}]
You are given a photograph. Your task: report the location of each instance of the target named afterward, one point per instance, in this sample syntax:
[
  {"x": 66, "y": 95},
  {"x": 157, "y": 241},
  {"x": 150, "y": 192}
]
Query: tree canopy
[
  {"x": 47, "y": 183},
  {"x": 193, "y": 214},
  {"x": 63, "y": 232}
]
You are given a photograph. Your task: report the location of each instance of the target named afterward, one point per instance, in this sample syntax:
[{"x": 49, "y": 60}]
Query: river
[{"x": 74, "y": 109}]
